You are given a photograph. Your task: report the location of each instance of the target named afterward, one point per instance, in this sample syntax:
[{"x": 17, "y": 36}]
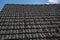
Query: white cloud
[{"x": 53, "y": 1}]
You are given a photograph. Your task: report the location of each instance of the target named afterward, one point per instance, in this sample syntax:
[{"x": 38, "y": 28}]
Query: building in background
[{"x": 30, "y": 22}]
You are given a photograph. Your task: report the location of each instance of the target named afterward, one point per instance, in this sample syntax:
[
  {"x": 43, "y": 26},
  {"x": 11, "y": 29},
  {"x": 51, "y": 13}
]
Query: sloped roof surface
[{"x": 30, "y": 22}]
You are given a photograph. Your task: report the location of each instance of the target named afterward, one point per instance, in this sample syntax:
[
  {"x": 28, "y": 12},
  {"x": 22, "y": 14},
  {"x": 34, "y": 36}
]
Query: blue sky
[{"x": 2, "y": 2}]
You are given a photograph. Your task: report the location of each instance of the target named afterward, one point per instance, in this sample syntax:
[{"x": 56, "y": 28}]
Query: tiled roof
[{"x": 30, "y": 22}]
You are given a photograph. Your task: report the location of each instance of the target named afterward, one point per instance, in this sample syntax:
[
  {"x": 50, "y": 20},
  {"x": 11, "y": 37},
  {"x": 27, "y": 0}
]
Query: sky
[{"x": 3, "y": 2}]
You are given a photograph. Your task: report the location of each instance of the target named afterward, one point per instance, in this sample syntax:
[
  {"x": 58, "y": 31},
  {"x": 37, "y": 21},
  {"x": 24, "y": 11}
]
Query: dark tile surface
[{"x": 31, "y": 23}]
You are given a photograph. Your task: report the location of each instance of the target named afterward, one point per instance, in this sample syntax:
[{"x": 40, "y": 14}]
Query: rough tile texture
[{"x": 30, "y": 22}]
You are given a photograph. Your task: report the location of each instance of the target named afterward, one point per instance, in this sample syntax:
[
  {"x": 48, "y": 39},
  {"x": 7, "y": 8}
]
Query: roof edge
[{"x": 32, "y": 4}]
